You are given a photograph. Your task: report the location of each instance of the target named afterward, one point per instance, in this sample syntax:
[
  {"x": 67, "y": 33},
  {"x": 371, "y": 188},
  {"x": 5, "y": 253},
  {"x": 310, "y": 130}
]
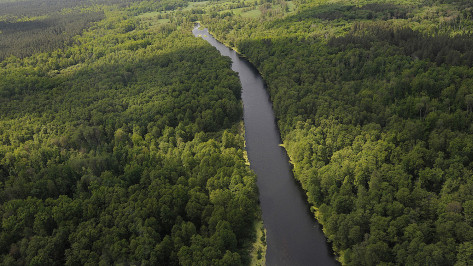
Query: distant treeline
[
  {"x": 33, "y": 8},
  {"x": 24, "y": 38}
]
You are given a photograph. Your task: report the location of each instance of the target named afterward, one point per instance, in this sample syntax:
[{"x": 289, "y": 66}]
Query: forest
[
  {"x": 120, "y": 143},
  {"x": 374, "y": 100}
]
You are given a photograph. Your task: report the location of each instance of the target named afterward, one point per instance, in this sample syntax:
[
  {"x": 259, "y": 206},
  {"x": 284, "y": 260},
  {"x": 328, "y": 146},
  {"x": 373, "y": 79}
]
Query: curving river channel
[{"x": 293, "y": 236}]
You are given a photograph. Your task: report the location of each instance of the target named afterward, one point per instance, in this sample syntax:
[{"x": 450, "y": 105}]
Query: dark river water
[{"x": 293, "y": 236}]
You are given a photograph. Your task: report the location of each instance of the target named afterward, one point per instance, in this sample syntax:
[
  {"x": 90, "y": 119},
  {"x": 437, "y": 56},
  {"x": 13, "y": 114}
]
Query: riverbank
[
  {"x": 293, "y": 236},
  {"x": 258, "y": 251}
]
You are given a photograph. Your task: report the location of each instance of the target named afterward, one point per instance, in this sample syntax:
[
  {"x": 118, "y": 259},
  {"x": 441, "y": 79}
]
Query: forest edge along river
[{"x": 293, "y": 236}]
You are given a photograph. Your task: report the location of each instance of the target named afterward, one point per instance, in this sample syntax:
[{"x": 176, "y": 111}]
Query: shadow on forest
[
  {"x": 103, "y": 91},
  {"x": 24, "y": 38},
  {"x": 359, "y": 55},
  {"x": 374, "y": 29},
  {"x": 35, "y": 25},
  {"x": 381, "y": 11},
  {"x": 37, "y": 7},
  {"x": 33, "y": 8},
  {"x": 441, "y": 49},
  {"x": 160, "y": 90}
]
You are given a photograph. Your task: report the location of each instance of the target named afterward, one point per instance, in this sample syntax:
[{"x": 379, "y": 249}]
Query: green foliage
[
  {"x": 29, "y": 27},
  {"x": 124, "y": 148},
  {"x": 373, "y": 101}
]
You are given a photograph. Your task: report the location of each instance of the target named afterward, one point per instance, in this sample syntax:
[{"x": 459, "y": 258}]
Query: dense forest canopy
[
  {"x": 121, "y": 143},
  {"x": 374, "y": 100},
  {"x": 120, "y": 139}
]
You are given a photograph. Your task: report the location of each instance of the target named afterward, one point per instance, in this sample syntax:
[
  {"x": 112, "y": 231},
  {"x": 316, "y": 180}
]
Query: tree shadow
[
  {"x": 37, "y": 7},
  {"x": 24, "y": 38},
  {"x": 191, "y": 88},
  {"x": 372, "y": 26},
  {"x": 21, "y": 26},
  {"x": 338, "y": 11},
  {"x": 441, "y": 49}
]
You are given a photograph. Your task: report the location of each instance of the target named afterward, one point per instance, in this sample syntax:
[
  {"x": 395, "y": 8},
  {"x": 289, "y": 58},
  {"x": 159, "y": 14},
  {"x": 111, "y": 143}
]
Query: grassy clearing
[
  {"x": 195, "y": 4},
  {"x": 291, "y": 6},
  {"x": 252, "y": 14},
  {"x": 236, "y": 11},
  {"x": 150, "y": 14},
  {"x": 258, "y": 252},
  {"x": 162, "y": 21},
  {"x": 154, "y": 18}
]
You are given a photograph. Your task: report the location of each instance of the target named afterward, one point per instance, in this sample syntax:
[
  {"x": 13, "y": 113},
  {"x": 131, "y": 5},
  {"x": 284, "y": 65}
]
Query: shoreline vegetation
[
  {"x": 304, "y": 230},
  {"x": 258, "y": 251},
  {"x": 258, "y": 248}
]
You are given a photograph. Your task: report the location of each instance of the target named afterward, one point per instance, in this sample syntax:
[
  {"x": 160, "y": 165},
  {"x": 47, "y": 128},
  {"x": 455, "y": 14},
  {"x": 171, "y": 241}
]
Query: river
[{"x": 293, "y": 236}]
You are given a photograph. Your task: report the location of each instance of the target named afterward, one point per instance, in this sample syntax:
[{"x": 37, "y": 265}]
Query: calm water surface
[{"x": 293, "y": 235}]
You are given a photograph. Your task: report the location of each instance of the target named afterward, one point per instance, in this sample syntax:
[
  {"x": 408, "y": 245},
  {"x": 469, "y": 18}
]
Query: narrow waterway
[{"x": 293, "y": 236}]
